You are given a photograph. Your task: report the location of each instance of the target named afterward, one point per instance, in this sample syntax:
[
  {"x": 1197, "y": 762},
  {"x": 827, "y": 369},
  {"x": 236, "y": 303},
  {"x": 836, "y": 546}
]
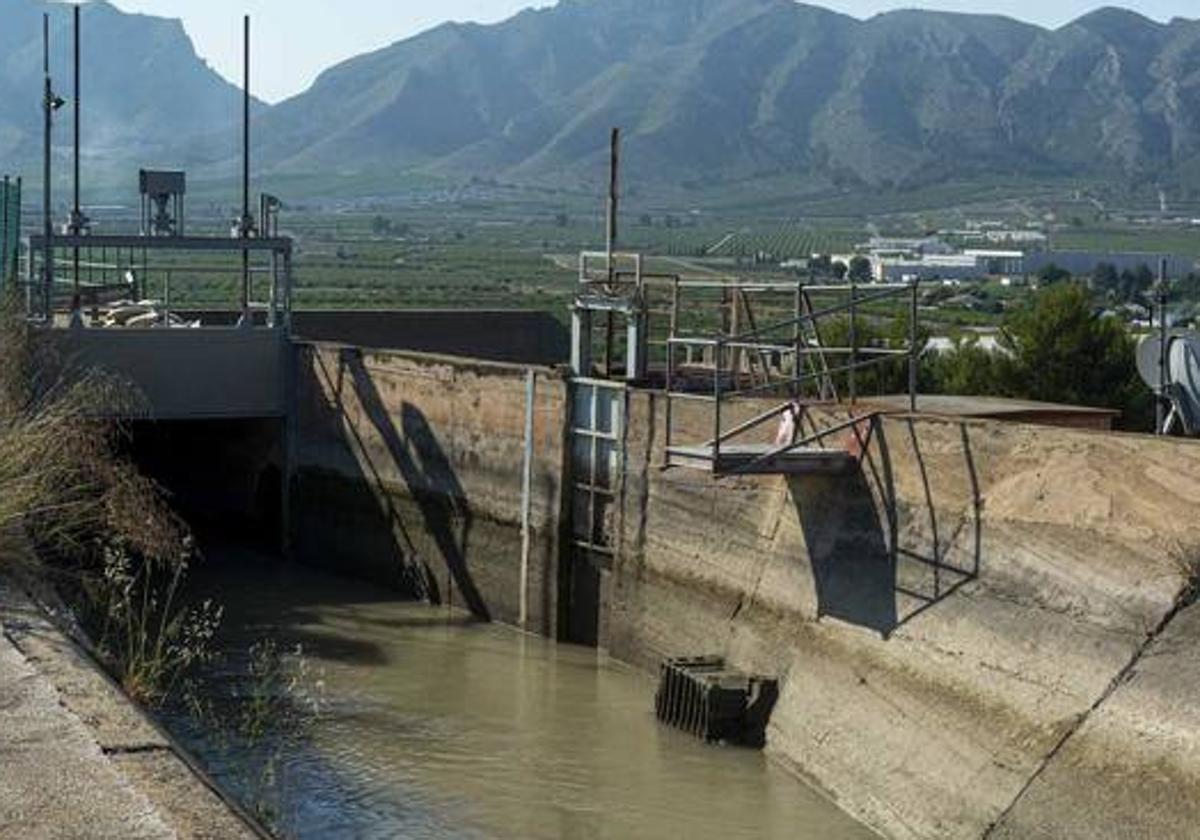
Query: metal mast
[
  {"x": 78, "y": 223},
  {"x": 246, "y": 224},
  {"x": 614, "y": 180},
  {"x": 50, "y": 104},
  {"x": 1164, "y": 347}
]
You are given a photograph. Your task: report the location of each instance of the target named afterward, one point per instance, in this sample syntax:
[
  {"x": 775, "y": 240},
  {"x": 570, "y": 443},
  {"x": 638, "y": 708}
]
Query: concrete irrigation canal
[{"x": 953, "y": 617}]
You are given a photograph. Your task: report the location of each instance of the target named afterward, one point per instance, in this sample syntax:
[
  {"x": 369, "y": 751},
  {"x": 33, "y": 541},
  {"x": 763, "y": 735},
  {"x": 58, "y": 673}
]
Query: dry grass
[{"x": 103, "y": 533}]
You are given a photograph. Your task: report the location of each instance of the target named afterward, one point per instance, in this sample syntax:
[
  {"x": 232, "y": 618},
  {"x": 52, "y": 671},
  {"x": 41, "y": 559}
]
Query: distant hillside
[
  {"x": 719, "y": 94},
  {"x": 145, "y": 90},
  {"x": 712, "y": 91}
]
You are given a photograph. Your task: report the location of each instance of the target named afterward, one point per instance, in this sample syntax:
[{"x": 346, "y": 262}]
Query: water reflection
[{"x": 436, "y": 726}]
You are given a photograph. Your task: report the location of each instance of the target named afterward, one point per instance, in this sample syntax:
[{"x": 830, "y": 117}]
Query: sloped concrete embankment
[{"x": 978, "y": 634}]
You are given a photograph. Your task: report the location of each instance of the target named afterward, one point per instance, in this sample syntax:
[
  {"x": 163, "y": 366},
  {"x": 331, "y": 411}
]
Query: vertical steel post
[
  {"x": 716, "y": 453},
  {"x": 613, "y": 198},
  {"x": 47, "y": 221},
  {"x": 610, "y": 237},
  {"x": 16, "y": 245},
  {"x": 288, "y": 291},
  {"x": 76, "y": 212},
  {"x": 914, "y": 360},
  {"x": 246, "y": 223},
  {"x": 853, "y": 382},
  {"x": 4, "y": 224},
  {"x": 797, "y": 337},
  {"x": 735, "y": 330},
  {"x": 670, "y": 380},
  {"x": 1164, "y": 360}
]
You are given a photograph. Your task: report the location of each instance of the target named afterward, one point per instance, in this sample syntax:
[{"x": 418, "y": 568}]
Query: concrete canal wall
[
  {"x": 988, "y": 631},
  {"x": 409, "y": 470}
]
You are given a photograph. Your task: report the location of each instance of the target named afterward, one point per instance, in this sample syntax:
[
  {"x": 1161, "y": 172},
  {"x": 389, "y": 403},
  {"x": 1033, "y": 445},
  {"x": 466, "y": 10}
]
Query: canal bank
[{"x": 77, "y": 758}]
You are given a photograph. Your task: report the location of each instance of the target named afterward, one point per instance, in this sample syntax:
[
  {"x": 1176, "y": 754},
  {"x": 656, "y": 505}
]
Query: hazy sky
[{"x": 296, "y": 39}]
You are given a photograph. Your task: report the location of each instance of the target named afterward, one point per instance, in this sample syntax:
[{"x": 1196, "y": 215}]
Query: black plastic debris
[{"x": 719, "y": 705}]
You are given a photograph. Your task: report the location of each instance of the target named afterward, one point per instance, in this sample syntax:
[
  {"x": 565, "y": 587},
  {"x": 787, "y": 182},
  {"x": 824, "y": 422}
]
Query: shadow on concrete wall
[
  {"x": 854, "y": 570},
  {"x": 870, "y": 571},
  {"x": 426, "y": 470},
  {"x": 362, "y": 502}
]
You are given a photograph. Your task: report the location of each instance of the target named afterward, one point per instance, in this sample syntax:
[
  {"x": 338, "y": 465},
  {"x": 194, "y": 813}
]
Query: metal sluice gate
[{"x": 701, "y": 696}]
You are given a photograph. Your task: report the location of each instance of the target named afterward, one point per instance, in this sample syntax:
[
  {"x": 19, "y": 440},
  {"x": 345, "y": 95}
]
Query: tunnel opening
[{"x": 223, "y": 477}]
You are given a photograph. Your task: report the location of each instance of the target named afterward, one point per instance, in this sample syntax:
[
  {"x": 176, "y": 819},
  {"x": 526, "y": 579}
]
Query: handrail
[
  {"x": 723, "y": 366},
  {"x": 817, "y": 314},
  {"x": 800, "y": 444},
  {"x": 765, "y": 389},
  {"x": 748, "y": 425},
  {"x": 785, "y": 348}
]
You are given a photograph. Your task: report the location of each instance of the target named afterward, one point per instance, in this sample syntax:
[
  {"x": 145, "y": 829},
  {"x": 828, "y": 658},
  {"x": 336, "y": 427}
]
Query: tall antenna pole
[
  {"x": 76, "y": 226},
  {"x": 48, "y": 101},
  {"x": 247, "y": 223},
  {"x": 246, "y": 124},
  {"x": 614, "y": 180}
]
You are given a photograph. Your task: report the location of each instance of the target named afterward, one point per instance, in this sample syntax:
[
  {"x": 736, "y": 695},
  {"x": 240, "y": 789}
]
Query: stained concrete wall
[
  {"x": 409, "y": 471},
  {"x": 949, "y": 624}
]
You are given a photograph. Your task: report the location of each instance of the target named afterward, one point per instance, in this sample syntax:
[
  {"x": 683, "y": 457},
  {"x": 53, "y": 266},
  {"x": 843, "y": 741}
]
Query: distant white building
[
  {"x": 912, "y": 248},
  {"x": 999, "y": 262},
  {"x": 940, "y": 266},
  {"x": 988, "y": 342}
]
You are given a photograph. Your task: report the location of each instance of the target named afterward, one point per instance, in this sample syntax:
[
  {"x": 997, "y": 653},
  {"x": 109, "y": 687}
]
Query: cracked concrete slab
[{"x": 55, "y": 780}]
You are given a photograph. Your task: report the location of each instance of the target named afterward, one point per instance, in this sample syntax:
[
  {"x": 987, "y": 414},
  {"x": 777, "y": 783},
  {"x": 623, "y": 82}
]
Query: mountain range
[
  {"x": 708, "y": 92},
  {"x": 145, "y": 90}
]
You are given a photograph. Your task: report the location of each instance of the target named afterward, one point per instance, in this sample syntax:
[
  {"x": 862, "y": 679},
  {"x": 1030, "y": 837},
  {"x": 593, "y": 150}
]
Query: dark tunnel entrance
[{"x": 224, "y": 477}]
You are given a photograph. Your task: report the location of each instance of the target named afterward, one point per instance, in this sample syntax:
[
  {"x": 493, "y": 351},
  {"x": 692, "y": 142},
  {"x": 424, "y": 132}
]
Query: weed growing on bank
[
  {"x": 249, "y": 710},
  {"x": 111, "y": 551},
  {"x": 104, "y": 537}
]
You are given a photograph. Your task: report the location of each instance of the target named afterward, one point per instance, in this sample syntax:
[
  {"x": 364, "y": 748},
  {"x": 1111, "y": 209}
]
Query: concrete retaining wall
[
  {"x": 942, "y": 622},
  {"x": 409, "y": 470}
]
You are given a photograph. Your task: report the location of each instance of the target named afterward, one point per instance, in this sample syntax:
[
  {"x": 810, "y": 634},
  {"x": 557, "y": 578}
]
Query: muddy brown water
[{"x": 433, "y": 726}]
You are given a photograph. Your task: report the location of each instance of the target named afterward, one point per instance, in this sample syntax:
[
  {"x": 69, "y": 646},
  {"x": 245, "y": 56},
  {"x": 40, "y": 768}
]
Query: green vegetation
[{"x": 1057, "y": 348}]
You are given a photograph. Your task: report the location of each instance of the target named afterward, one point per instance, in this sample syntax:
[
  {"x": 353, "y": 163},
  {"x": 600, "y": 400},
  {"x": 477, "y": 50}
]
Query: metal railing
[
  {"x": 811, "y": 360},
  {"x": 123, "y": 265}
]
